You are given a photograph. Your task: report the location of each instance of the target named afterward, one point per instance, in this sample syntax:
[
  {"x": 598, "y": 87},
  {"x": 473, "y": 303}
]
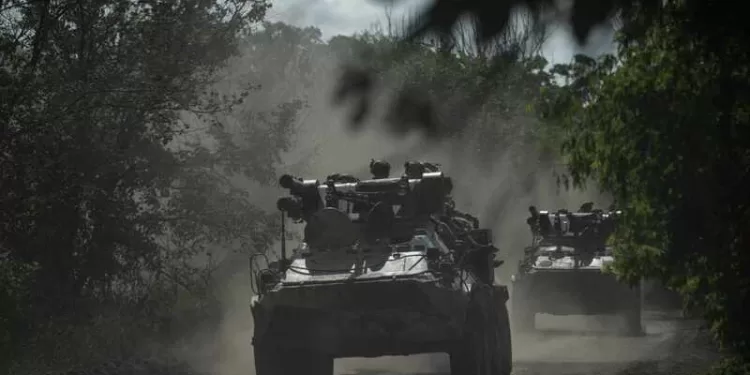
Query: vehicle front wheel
[
  {"x": 485, "y": 348},
  {"x": 276, "y": 360}
]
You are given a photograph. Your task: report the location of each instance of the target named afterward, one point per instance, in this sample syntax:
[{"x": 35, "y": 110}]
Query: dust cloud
[{"x": 499, "y": 193}]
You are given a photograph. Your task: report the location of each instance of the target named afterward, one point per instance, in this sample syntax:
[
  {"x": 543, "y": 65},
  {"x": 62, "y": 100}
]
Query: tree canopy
[
  {"x": 664, "y": 127},
  {"x": 106, "y": 196}
]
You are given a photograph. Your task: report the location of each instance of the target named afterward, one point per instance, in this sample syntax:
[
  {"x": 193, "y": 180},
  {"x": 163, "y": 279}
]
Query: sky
[{"x": 345, "y": 17}]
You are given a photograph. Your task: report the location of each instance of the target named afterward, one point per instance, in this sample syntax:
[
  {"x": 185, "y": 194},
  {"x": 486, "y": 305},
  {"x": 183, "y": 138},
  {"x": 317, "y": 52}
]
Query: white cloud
[
  {"x": 333, "y": 17},
  {"x": 337, "y": 17}
]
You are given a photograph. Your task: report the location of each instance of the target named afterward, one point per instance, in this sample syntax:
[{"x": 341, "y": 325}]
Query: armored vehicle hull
[
  {"x": 387, "y": 267},
  {"x": 363, "y": 317},
  {"x": 559, "y": 288},
  {"x": 400, "y": 309}
]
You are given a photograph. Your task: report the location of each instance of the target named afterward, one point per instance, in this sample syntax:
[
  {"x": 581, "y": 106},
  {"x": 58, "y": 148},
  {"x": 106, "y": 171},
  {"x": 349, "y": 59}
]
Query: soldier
[
  {"x": 587, "y": 207},
  {"x": 379, "y": 169},
  {"x": 533, "y": 220}
]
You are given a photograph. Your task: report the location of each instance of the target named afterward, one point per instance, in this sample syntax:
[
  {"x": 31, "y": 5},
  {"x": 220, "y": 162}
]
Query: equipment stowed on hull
[{"x": 387, "y": 267}]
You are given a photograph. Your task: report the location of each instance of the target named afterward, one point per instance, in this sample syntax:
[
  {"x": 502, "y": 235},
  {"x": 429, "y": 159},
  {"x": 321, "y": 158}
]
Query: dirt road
[{"x": 671, "y": 346}]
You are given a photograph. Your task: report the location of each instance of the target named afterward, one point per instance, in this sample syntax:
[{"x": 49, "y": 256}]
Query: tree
[
  {"x": 104, "y": 197},
  {"x": 664, "y": 127},
  {"x": 494, "y": 20},
  {"x": 454, "y": 71}
]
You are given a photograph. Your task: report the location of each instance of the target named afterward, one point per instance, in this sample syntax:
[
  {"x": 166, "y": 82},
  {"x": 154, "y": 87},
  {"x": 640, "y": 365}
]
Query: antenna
[{"x": 282, "y": 264}]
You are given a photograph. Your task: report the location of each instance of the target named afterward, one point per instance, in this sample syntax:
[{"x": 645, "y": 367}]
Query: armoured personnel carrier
[
  {"x": 561, "y": 272},
  {"x": 388, "y": 266}
]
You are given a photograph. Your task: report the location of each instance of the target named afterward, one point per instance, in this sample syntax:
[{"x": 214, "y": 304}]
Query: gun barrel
[
  {"x": 286, "y": 181},
  {"x": 297, "y": 186}
]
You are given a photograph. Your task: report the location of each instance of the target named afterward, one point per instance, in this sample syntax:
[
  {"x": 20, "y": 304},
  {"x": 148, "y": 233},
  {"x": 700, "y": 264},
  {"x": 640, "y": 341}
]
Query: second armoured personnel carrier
[
  {"x": 562, "y": 271},
  {"x": 388, "y": 266}
]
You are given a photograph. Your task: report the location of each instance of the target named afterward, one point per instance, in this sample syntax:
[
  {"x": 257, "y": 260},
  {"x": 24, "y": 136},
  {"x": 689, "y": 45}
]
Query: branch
[{"x": 40, "y": 38}]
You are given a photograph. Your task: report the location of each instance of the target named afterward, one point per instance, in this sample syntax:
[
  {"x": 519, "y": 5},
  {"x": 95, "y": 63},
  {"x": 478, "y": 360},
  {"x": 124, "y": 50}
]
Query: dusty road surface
[{"x": 576, "y": 346}]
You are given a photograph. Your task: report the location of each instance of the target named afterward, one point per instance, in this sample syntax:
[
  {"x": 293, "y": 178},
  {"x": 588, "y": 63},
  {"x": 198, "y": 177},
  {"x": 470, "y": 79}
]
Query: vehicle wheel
[
  {"x": 275, "y": 360},
  {"x": 503, "y": 333},
  {"x": 485, "y": 348}
]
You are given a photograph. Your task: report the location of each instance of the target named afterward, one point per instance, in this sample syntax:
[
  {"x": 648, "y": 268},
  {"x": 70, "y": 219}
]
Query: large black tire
[
  {"x": 276, "y": 360},
  {"x": 485, "y": 348}
]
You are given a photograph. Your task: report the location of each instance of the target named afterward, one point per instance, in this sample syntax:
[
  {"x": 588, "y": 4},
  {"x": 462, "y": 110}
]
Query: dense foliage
[
  {"x": 116, "y": 162},
  {"x": 460, "y": 90},
  {"x": 490, "y": 21},
  {"x": 664, "y": 127}
]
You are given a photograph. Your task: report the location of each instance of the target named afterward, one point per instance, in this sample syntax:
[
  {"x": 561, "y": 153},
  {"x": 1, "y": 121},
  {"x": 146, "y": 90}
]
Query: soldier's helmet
[{"x": 380, "y": 169}]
